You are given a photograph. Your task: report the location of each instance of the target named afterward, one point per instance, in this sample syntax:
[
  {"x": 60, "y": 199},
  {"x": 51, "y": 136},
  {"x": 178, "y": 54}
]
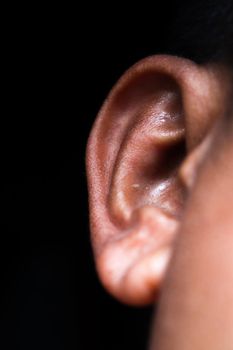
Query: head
[{"x": 160, "y": 160}]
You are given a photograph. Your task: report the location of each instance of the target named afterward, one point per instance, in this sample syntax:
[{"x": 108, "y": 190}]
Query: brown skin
[{"x": 160, "y": 170}]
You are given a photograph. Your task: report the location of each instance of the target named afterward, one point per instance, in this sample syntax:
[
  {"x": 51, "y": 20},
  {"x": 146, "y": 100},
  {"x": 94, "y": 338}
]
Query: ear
[{"x": 158, "y": 113}]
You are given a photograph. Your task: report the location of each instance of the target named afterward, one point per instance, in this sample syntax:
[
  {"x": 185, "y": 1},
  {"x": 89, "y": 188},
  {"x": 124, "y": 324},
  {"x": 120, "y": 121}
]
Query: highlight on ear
[{"x": 135, "y": 152}]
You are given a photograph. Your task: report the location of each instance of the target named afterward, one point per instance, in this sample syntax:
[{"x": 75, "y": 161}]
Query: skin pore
[{"x": 160, "y": 170}]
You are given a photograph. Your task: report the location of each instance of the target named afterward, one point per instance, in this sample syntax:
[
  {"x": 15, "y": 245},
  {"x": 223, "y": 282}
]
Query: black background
[{"x": 55, "y": 76}]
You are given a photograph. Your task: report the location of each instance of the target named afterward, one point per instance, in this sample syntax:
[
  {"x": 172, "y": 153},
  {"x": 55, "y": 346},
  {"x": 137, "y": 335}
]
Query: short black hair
[{"x": 202, "y": 30}]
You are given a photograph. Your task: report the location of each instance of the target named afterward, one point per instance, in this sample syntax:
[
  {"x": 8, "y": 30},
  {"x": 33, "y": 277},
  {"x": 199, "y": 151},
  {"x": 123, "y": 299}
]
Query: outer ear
[{"x": 153, "y": 116}]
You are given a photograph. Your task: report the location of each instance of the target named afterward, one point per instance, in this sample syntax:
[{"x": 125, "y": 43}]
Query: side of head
[{"x": 148, "y": 146}]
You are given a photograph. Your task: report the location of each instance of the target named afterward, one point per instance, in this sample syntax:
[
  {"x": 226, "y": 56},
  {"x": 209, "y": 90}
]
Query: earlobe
[
  {"x": 135, "y": 152},
  {"x": 132, "y": 265}
]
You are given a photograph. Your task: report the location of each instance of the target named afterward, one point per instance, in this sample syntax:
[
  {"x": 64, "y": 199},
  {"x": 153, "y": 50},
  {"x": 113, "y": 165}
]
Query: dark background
[{"x": 55, "y": 76}]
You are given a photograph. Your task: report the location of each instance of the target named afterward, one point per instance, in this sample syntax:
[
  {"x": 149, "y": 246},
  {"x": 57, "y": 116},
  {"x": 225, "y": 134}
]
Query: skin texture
[
  {"x": 159, "y": 164},
  {"x": 196, "y": 306}
]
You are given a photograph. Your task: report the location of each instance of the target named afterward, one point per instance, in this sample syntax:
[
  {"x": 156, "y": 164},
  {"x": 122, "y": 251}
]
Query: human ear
[{"x": 155, "y": 120}]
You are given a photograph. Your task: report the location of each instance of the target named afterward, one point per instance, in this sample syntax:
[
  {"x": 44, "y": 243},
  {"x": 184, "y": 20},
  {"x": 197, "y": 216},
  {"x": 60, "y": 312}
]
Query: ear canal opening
[
  {"x": 169, "y": 161},
  {"x": 158, "y": 182},
  {"x": 168, "y": 191}
]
